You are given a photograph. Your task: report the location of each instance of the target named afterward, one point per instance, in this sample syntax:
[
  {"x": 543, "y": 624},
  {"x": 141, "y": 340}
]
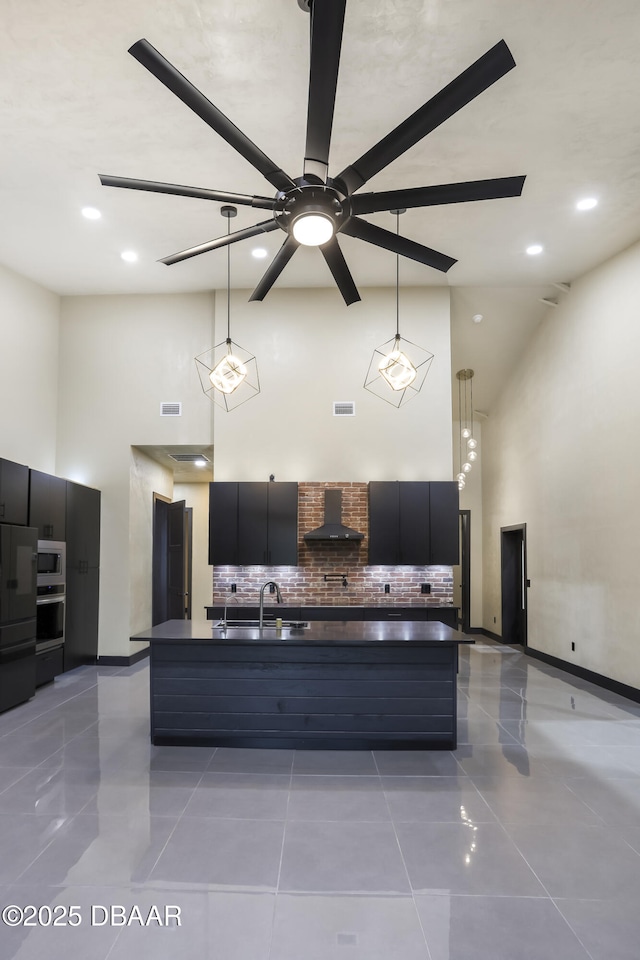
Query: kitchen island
[{"x": 327, "y": 685}]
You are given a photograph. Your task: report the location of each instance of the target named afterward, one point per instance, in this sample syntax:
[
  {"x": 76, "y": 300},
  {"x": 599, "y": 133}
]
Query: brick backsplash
[{"x": 304, "y": 584}]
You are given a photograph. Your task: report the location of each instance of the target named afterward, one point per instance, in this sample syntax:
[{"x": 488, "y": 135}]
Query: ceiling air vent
[
  {"x": 344, "y": 408},
  {"x": 170, "y": 409},
  {"x": 189, "y": 457}
]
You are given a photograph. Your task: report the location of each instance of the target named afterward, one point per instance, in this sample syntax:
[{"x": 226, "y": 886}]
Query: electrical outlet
[
  {"x": 233, "y": 588},
  {"x": 425, "y": 588},
  {"x": 272, "y": 589},
  {"x": 387, "y": 588}
]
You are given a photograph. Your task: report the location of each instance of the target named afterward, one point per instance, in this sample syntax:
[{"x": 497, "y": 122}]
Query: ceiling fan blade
[
  {"x": 495, "y": 189},
  {"x": 471, "y": 83},
  {"x": 275, "y": 268},
  {"x": 153, "y": 186},
  {"x": 265, "y": 227},
  {"x": 327, "y": 21},
  {"x": 363, "y": 230},
  {"x": 149, "y": 57},
  {"x": 341, "y": 274}
]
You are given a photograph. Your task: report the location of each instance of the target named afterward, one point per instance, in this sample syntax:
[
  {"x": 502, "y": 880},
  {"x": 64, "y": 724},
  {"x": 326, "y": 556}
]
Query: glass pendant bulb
[
  {"x": 466, "y": 467},
  {"x": 471, "y": 443},
  {"x": 397, "y": 369},
  {"x": 460, "y": 478},
  {"x": 228, "y": 373},
  {"x": 472, "y": 455},
  {"x": 465, "y": 432}
]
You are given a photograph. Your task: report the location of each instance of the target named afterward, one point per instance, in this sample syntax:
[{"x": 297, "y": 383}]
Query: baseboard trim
[
  {"x": 486, "y": 633},
  {"x": 124, "y": 661},
  {"x": 631, "y": 693}
]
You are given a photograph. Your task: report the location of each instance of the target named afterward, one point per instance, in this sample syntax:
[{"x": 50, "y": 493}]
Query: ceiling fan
[{"x": 314, "y": 208}]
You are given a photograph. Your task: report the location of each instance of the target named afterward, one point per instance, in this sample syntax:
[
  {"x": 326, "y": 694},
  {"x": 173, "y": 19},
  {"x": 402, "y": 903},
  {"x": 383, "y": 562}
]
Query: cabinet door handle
[
  {"x": 394, "y": 614},
  {"x": 1, "y": 509}
]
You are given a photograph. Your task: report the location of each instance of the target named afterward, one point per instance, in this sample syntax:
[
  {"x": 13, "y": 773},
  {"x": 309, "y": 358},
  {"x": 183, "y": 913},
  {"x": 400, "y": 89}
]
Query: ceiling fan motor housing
[{"x": 309, "y": 199}]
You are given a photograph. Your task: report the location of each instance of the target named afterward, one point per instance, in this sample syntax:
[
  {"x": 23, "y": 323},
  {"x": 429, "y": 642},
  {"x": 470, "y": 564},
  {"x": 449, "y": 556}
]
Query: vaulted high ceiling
[{"x": 74, "y": 104}]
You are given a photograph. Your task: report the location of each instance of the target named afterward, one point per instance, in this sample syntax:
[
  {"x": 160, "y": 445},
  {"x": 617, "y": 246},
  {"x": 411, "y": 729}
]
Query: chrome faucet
[{"x": 269, "y": 583}]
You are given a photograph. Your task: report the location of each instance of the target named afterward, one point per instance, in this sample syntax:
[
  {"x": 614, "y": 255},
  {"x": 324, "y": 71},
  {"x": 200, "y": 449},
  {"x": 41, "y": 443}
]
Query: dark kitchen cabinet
[
  {"x": 223, "y": 523},
  {"x": 445, "y": 524},
  {"x": 413, "y": 522},
  {"x": 83, "y": 575},
  {"x": 14, "y": 493},
  {"x": 399, "y": 522},
  {"x": 47, "y": 505},
  {"x": 253, "y": 523}
]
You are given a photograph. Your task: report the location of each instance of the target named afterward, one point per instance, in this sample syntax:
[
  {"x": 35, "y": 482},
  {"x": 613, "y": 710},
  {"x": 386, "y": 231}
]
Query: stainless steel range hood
[{"x": 333, "y": 528}]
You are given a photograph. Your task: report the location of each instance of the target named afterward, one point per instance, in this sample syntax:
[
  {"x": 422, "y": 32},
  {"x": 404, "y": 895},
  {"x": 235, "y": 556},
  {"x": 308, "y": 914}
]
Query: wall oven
[{"x": 51, "y": 595}]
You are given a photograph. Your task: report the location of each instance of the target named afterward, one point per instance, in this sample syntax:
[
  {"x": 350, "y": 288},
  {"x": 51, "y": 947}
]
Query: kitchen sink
[{"x": 268, "y": 624}]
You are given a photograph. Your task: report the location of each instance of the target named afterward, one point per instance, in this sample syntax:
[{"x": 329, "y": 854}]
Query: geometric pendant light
[
  {"x": 228, "y": 373},
  {"x": 398, "y": 368}
]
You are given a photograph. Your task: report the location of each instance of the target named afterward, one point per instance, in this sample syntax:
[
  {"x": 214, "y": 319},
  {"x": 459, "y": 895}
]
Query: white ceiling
[{"x": 74, "y": 103}]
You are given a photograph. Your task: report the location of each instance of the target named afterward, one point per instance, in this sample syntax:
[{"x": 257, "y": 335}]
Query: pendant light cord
[
  {"x": 397, "y": 279},
  {"x": 228, "y": 283}
]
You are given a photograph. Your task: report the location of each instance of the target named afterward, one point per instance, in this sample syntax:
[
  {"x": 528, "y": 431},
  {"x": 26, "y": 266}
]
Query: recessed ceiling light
[
  {"x": 130, "y": 256},
  {"x": 259, "y": 253},
  {"x": 199, "y": 463},
  {"x": 91, "y": 213},
  {"x": 477, "y": 318},
  {"x": 587, "y": 203},
  {"x": 534, "y": 249}
]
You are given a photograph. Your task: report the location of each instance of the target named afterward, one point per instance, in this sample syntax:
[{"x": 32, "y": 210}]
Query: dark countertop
[
  {"x": 423, "y": 633},
  {"x": 335, "y": 606}
]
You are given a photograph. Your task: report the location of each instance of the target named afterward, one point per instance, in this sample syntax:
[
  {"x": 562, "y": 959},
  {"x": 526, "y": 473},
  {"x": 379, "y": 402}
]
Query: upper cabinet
[
  {"x": 82, "y": 527},
  {"x": 444, "y": 508},
  {"x": 398, "y": 522},
  {"x": 413, "y": 523},
  {"x": 14, "y": 493},
  {"x": 253, "y": 523},
  {"x": 48, "y": 505}
]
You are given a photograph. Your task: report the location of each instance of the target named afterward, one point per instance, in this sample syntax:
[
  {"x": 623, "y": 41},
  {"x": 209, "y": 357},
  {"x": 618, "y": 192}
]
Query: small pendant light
[
  {"x": 228, "y": 373},
  {"x": 398, "y": 368}
]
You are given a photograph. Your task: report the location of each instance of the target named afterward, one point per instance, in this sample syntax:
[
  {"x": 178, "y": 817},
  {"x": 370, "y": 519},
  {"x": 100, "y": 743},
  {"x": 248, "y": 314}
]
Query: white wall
[
  {"x": 120, "y": 357},
  {"x": 29, "y": 326},
  {"x": 561, "y": 454},
  {"x": 312, "y": 350}
]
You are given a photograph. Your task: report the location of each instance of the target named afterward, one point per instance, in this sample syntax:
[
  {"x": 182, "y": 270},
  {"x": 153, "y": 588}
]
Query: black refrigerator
[{"x": 18, "y": 556}]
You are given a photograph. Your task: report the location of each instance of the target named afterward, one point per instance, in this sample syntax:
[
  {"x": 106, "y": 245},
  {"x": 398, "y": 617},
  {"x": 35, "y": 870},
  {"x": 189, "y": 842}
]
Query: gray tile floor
[{"x": 523, "y": 843}]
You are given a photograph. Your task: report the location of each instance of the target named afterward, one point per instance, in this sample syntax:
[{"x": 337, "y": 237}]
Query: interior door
[
  {"x": 462, "y": 573},
  {"x": 177, "y": 600},
  {"x": 514, "y": 584}
]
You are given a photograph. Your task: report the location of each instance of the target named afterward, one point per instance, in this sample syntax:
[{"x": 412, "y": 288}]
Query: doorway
[
  {"x": 513, "y": 552},
  {"x": 172, "y": 549},
  {"x": 462, "y": 573}
]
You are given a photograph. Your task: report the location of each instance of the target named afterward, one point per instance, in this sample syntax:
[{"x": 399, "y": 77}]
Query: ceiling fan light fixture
[{"x": 313, "y": 229}]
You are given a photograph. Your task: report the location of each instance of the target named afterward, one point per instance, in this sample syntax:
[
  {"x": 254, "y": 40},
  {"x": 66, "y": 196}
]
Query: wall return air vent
[
  {"x": 344, "y": 408},
  {"x": 170, "y": 409}
]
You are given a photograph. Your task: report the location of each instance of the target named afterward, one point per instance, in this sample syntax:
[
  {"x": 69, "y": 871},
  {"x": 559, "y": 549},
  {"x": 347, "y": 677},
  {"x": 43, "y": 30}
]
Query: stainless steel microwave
[{"x": 52, "y": 562}]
